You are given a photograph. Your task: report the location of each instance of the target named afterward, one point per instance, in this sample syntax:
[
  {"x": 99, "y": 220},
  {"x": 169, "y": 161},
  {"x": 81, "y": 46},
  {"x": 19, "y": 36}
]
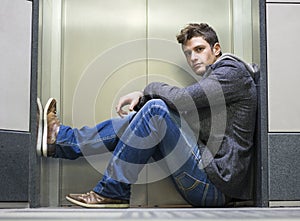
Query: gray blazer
[{"x": 221, "y": 110}]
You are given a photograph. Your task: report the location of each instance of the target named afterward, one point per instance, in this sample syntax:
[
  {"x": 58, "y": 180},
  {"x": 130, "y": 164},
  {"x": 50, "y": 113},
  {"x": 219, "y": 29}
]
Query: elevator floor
[{"x": 245, "y": 214}]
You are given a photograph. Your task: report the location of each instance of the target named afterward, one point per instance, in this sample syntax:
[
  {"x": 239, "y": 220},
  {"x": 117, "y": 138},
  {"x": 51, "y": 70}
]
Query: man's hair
[{"x": 198, "y": 30}]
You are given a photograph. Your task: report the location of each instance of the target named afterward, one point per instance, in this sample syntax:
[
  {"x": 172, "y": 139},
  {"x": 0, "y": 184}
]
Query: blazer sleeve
[{"x": 223, "y": 85}]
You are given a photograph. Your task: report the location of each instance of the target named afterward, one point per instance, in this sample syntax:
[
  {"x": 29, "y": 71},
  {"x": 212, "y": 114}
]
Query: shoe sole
[
  {"x": 45, "y": 130},
  {"x": 123, "y": 205},
  {"x": 40, "y": 128}
]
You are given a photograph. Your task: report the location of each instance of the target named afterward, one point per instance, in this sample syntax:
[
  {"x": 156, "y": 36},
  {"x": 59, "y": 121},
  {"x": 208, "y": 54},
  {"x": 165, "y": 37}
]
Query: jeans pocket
[{"x": 194, "y": 190}]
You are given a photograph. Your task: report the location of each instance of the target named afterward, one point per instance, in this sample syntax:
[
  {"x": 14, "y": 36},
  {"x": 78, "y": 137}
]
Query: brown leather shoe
[
  {"x": 94, "y": 200},
  {"x": 51, "y": 128}
]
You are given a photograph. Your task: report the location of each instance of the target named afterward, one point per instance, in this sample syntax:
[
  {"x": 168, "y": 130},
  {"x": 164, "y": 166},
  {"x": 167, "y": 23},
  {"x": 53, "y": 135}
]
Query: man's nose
[{"x": 194, "y": 56}]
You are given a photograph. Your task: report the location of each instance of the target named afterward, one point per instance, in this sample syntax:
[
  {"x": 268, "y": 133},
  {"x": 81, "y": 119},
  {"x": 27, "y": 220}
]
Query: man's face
[{"x": 199, "y": 54}]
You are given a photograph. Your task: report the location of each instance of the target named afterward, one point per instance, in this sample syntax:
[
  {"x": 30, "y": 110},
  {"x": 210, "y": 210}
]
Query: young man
[{"x": 203, "y": 131}]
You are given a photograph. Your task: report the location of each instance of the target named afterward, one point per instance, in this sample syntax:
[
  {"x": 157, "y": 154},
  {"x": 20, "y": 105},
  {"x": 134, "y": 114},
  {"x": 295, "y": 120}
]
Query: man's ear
[{"x": 217, "y": 49}]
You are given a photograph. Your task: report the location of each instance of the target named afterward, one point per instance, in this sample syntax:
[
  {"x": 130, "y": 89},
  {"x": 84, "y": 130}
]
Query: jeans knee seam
[
  {"x": 85, "y": 143},
  {"x": 144, "y": 114},
  {"x": 205, "y": 194},
  {"x": 216, "y": 195},
  {"x": 98, "y": 140}
]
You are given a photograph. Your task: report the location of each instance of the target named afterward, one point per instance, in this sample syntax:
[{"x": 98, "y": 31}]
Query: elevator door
[
  {"x": 15, "y": 98},
  {"x": 110, "y": 48}
]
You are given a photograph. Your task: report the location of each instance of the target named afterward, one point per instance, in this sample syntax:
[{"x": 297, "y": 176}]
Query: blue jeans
[{"x": 153, "y": 132}]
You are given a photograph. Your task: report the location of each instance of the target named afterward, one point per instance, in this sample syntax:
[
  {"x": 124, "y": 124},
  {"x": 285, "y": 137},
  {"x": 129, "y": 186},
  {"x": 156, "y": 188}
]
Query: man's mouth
[{"x": 196, "y": 66}]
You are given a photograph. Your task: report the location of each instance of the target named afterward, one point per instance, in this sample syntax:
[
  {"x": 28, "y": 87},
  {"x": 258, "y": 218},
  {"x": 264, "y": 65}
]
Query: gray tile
[{"x": 151, "y": 214}]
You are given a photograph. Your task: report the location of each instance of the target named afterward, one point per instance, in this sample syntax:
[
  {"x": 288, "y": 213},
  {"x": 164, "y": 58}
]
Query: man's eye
[{"x": 199, "y": 49}]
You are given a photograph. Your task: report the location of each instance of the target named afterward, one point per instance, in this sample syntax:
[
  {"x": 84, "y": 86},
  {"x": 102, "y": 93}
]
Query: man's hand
[{"x": 131, "y": 99}]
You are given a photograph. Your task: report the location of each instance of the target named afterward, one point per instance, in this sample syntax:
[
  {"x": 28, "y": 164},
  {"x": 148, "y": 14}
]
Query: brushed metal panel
[
  {"x": 92, "y": 30},
  {"x": 166, "y": 18},
  {"x": 104, "y": 50},
  {"x": 168, "y": 64},
  {"x": 15, "y": 69},
  {"x": 103, "y": 58},
  {"x": 283, "y": 73}
]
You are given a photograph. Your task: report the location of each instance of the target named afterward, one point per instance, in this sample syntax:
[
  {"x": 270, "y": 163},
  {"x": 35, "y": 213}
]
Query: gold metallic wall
[
  {"x": 95, "y": 31},
  {"x": 94, "y": 51}
]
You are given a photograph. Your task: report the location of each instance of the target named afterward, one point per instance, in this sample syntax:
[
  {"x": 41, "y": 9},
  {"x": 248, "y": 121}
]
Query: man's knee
[{"x": 156, "y": 103}]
